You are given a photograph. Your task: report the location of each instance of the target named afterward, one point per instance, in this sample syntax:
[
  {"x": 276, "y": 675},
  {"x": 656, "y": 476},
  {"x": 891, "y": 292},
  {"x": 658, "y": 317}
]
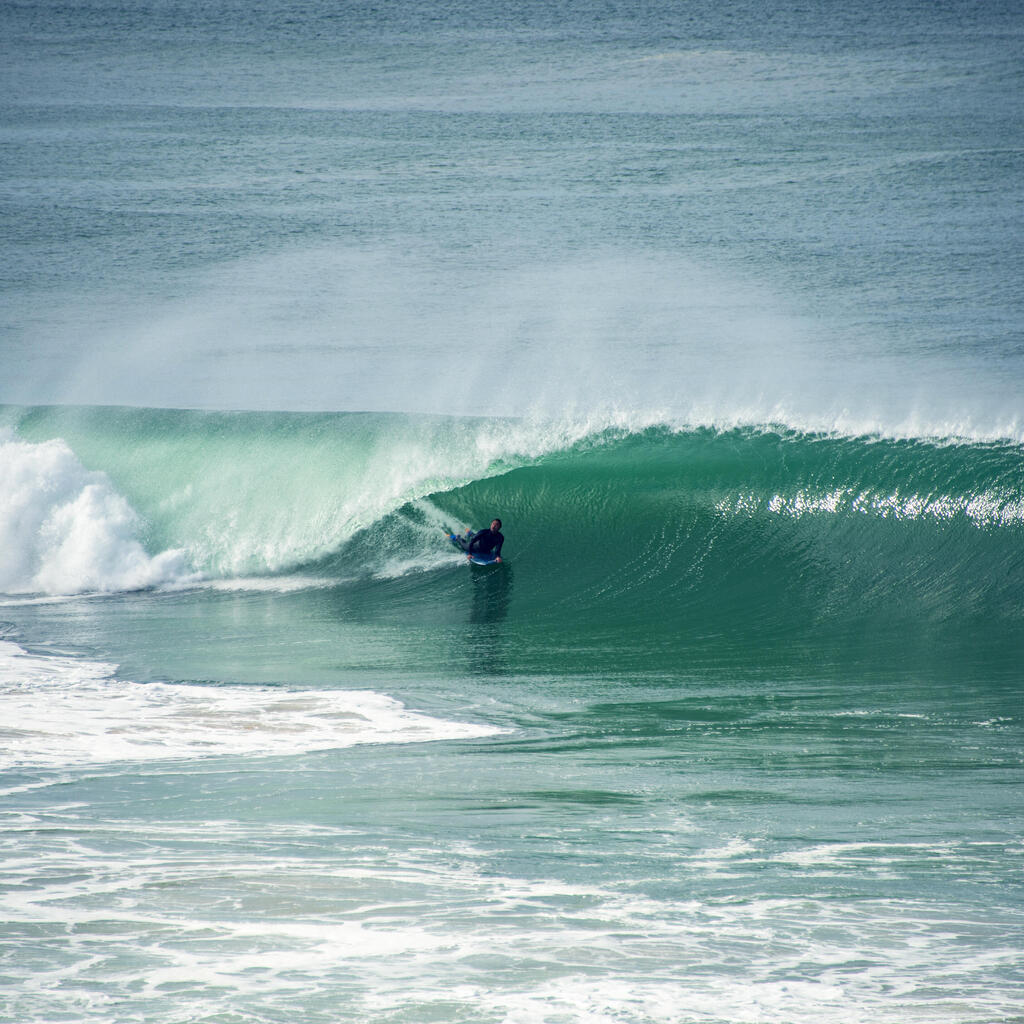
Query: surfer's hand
[{"x": 498, "y": 559}]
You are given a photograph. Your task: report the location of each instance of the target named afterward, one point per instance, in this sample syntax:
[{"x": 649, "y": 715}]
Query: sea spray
[{"x": 66, "y": 530}]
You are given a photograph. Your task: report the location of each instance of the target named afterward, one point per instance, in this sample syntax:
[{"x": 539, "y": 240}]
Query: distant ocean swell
[{"x": 617, "y": 520}]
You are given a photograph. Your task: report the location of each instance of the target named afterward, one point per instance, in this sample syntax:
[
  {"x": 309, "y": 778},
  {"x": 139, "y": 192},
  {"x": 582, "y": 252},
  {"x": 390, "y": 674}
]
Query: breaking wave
[{"x": 632, "y": 520}]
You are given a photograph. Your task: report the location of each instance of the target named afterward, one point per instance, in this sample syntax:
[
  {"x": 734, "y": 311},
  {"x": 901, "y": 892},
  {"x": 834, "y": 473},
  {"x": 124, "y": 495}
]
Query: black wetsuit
[{"x": 486, "y": 543}]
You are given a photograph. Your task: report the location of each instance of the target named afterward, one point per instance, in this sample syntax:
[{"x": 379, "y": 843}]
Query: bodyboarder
[{"x": 485, "y": 544}]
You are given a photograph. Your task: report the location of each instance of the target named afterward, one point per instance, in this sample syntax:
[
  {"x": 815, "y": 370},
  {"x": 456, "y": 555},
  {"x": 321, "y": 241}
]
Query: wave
[
  {"x": 90, "y": 490},
  {"x": 728, "y": 527},
  {"x": 613, "y": 519}
]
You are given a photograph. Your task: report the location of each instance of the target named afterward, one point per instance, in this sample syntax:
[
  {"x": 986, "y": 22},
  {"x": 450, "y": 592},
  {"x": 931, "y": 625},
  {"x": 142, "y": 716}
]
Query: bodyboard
[{"x": 461, "y": 541}]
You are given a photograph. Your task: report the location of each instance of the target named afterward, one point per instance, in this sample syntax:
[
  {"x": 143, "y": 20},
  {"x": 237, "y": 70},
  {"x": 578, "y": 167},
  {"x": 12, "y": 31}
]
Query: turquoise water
[{"x": 717, "y": 307}]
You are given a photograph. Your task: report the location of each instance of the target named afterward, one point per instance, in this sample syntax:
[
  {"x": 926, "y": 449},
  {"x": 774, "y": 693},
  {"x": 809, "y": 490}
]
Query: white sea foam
[
  {"x": 990, "y": 508},
  {"x": 66, "y": 530},
  {"x": 371, "y": 931},
  {"x": 61, "y": 711},
  {"x": 269, "y": 584}
]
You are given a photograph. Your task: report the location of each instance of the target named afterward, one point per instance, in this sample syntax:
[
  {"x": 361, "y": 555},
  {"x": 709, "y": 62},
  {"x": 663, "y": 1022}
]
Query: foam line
[{"x": 60, "y": 712}]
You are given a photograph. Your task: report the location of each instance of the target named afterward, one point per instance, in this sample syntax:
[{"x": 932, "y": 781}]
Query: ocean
[{"x": 718, "y": 306}]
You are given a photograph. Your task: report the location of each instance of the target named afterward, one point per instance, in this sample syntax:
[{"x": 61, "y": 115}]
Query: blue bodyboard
[{"x": 462, "y": 543}]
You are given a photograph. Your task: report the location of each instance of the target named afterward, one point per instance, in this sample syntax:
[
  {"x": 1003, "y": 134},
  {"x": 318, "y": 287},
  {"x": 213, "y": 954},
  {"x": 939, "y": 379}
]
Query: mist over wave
[{"x": 645, "y": 333}]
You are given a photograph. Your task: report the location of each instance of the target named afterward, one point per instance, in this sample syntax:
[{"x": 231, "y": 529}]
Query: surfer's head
[{"x": 495, "y": 525}]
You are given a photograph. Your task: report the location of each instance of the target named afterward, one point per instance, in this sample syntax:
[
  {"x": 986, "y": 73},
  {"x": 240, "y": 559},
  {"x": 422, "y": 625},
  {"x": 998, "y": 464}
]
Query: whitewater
[{"x": 717, "y": 307}]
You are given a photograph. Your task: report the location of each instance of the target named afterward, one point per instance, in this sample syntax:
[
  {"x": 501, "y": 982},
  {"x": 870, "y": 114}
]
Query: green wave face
[
  {"x": 656, "y": 543},
  {"x": 706, "y": 534}
]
